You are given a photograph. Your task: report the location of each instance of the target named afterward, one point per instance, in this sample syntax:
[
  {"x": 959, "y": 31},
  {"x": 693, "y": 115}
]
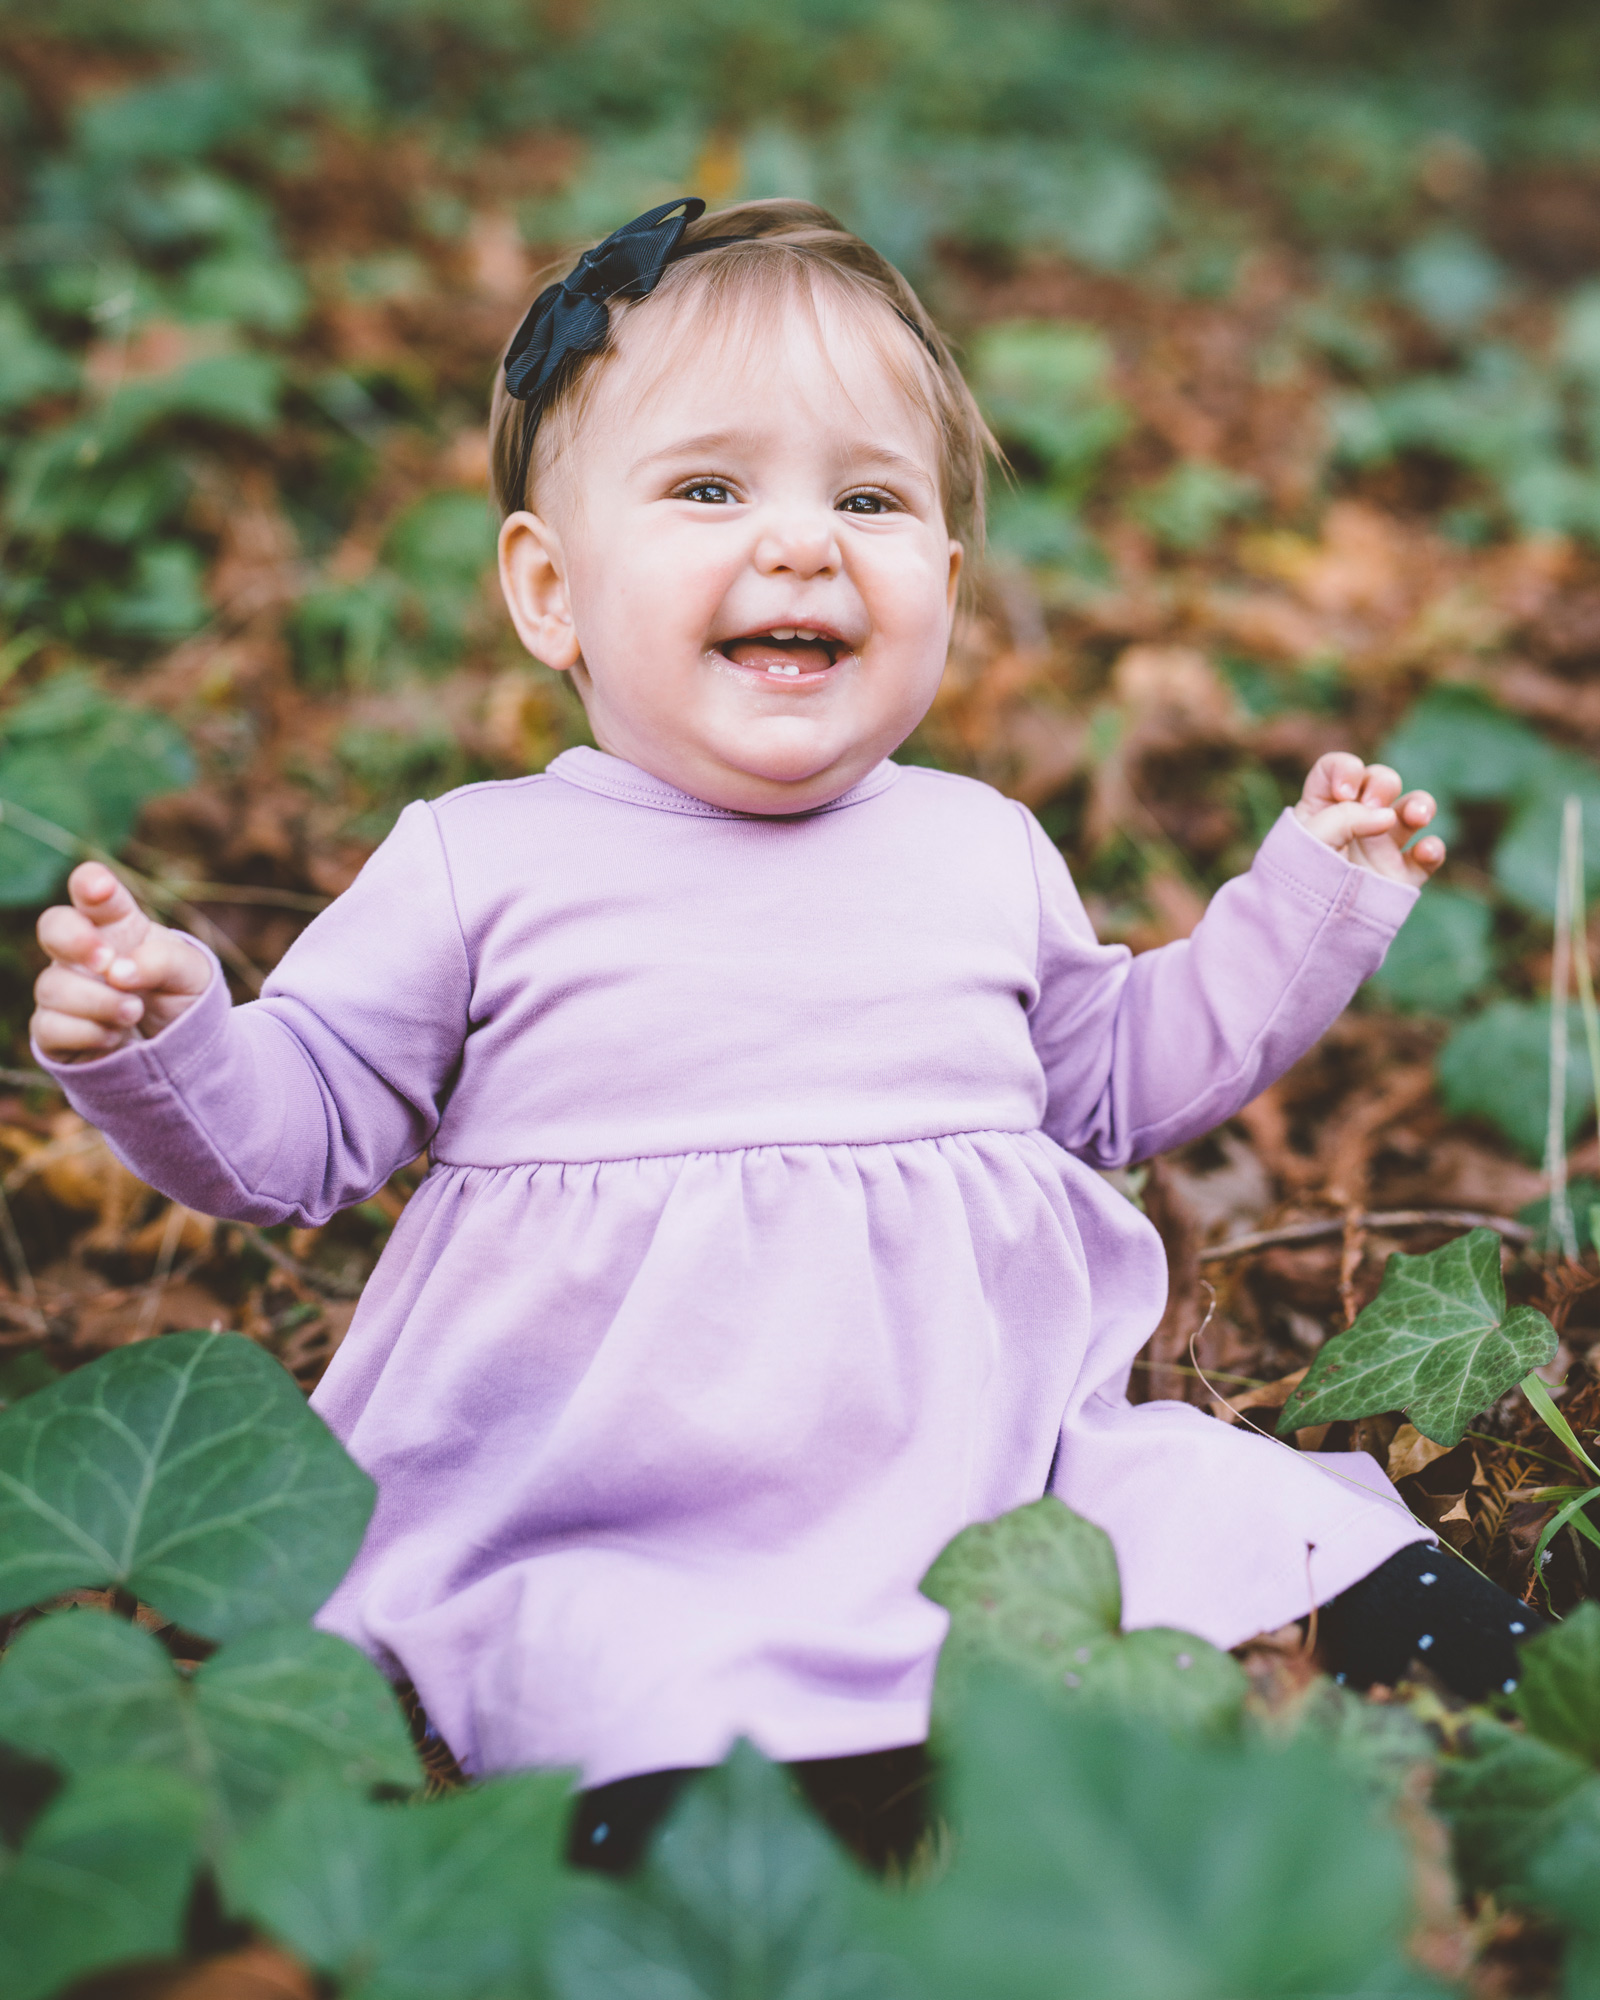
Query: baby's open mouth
[{"x": 785, "y": 652}]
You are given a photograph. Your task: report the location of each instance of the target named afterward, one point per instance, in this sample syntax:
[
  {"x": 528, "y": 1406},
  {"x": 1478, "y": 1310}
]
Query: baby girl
[{"x": 765, "y": 1084}]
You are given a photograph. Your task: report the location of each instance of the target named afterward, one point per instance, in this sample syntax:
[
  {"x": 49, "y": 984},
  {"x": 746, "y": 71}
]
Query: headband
[{"x": 569, "y": 319}]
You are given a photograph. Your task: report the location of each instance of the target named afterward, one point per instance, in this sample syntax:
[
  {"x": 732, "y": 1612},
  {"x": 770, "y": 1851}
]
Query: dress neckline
[{"x": 613, "y": 778}]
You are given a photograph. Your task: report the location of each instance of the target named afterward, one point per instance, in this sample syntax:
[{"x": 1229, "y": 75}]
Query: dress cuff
[
  {"x": 1309, "y": 868},
  {"x": 150, "y": 1064}
]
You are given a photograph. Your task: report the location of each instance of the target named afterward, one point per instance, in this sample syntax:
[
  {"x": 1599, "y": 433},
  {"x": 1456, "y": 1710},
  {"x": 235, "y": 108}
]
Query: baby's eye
[
  {"x": 708, "y": 492},
  {"x": 866, "y": 503}
]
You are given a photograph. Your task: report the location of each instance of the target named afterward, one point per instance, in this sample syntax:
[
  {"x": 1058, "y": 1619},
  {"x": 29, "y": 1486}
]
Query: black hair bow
[{"x": 570, "y": 318}]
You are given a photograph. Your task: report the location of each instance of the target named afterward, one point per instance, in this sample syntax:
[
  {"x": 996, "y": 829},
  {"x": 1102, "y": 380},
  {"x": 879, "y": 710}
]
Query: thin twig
[
  {"x": 1555, "y": 1142},
  {"x": 28, "y": 1079},
  {"x": 1516, "y": 1450},
  {"x": 1311, "y": 1626},
  {"x": 83, "y": 1141},
  {"x": 1393, "y": 1218},
  {"x": 21, "y": 1276},
  {"x": 1578, "y": 899},
  {"x": 242, "y": 893},
  {"x": 330, "y": 1288},
  {"x": 1367, "y": 1492},
  {"x": 48, "y": 834},
  {"x": 171, "y": 1237},
  {"x": 1215, "y": 1375}
]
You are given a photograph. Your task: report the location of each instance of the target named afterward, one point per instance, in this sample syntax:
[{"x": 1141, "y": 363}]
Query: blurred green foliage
[
  {"x": 75, "y": 767},
  {"x": 1028, "y": 126}
]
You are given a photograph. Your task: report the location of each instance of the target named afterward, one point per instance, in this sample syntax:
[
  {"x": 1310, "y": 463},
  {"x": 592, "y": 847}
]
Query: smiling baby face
[{"x": 741, "y": 553}]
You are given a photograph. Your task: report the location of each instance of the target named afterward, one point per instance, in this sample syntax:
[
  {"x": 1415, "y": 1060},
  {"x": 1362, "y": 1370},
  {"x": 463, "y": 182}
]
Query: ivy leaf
[
  {"x": 1037, "y": 1590},
  {"x": 1527, "y": 855},
  {"x": 1440, "y": 956},
  {"x": 1563, "y": 1879},
  {"x": 188, "y": 1470},
  {"x": 1506, "y": 1804},
  {"x": 103, "y": 1876},
  {"x": 86, "y": 1690},
  {"x": 29, "y": 366},
  {"x": 1437, "y": 1342},
  {"x": 448, "y": 1901},
  {"x": 1496, "y": 1066},
  {"x": 1525, "y": 1816},
  {"x": 84, "y": 763},
  {"x": 1457, "y": 744},
  {"x": 1044, "y": 387},
  {"x": 1095, "y": 1856},
  {"x": 743, "y": 1894},
  {"x": 1559, "y": 1692}
]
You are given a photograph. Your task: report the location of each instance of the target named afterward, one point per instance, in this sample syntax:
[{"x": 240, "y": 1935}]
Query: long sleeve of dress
[
  {"x": 270, "y": 1112},
  {"x": 1217, "y": 1530},
  {"x": 1144, "y": 1053}
]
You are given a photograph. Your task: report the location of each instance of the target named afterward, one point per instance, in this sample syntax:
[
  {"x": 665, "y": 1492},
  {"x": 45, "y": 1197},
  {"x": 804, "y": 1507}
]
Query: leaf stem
[{"x": 1516, "y": 1450}]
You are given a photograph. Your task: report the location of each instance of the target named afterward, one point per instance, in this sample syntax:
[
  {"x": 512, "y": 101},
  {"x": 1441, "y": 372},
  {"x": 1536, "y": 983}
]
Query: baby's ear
[{"x": 533, "y": 581}]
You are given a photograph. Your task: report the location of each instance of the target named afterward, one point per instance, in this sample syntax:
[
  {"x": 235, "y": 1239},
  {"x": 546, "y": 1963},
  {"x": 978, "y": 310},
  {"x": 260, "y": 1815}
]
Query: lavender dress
[{"x": 762, "y": 1247}]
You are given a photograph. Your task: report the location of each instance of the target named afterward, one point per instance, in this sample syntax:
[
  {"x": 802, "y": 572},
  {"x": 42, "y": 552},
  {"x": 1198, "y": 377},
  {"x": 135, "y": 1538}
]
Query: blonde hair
[{"x": 784, "y": 250}]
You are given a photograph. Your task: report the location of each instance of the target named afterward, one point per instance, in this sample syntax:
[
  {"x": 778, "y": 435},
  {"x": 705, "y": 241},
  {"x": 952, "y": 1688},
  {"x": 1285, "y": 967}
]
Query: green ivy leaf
[
  {"x": 1037, "y": 1590},
  {"x": 1497, "y": 1067},
  {"x": 743, "y": 1894},
  {"x": 1564, "y": 1879},
  {"x": 1043, "y": 386},
  {"x": 86, "y": 1690},
  {"x": 1437, "y": 1342},
  {"x": 22, "y": 1374},
  {"x": 1187, "y": 506},
  {"x": 103, "y": 1876},
  {"x": 188, "y": 1470},
  {"x": 1507, "y": 1803},
  {"x": 1559, "y": 1693},
  {"x": 1528, "y": 853},
  {"x": 1441, "y": 955},
  {"x": 163, "y": 599},
  {"x": 29, "y": 366},
  {"x": 1459, "y": 745},
  {"x": 1094, "y": 1856},
  {"x": 453, "y": 1900},
  {"x": 74, "y": 758},
  {"x": 1525, "y": 1816}
]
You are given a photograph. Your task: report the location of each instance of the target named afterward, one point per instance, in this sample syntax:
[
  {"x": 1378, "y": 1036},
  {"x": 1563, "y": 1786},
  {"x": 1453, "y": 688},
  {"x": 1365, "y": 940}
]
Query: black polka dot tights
[{"x": 1425, "y": 1604}]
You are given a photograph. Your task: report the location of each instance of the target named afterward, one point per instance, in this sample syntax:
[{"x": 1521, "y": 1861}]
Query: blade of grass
[
  {"x": 1578, "y": 904},
  {"x": 1555, "y": 1144},
  {"x": 1570, "y": 1516},
  {"x": 1544, "y": 1403}
]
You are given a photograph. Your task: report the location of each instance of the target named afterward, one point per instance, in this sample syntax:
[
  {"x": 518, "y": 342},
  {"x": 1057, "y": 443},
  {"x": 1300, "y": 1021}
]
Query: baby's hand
[
  {"x": 104, "y": 955},
  {"x": 1357, "y": 809}
]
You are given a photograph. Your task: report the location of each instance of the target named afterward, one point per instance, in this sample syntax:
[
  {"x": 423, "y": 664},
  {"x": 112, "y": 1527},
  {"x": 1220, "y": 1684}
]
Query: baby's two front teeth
[{"x": 790, "y": 632}]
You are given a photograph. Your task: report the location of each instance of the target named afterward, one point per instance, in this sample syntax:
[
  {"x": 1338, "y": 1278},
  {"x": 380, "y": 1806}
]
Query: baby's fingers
[
  {"x": 100, "y": 895},
  {"x": 101, "y": 921},
  {"x": 1426, "y": 856},
  {"x": 1334, "y": 778},
  {"x": 1338, "y": 825},
  {"x": 77, "y": 1015},
  {"x": 1380, "y": 786},
  {"x": 1415, "y": 810},
  {"x": 162, "y": 963}
]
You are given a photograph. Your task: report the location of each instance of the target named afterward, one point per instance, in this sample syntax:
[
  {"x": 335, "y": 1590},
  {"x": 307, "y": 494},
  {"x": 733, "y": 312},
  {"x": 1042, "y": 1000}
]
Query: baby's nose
[{"x": 800, "y": 542}]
